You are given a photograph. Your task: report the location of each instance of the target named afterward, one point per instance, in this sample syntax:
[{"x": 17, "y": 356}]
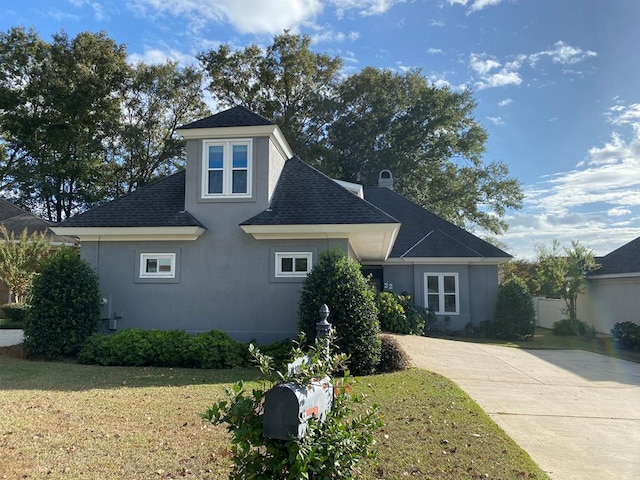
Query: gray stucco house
[{"x": 226, "y": 243}]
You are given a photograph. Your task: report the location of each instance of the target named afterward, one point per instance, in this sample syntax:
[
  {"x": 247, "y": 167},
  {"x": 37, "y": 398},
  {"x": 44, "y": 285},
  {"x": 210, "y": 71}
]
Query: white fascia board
[
  {"x": 370, "y": 241},
  {"x": 354, "y": 188},
  {"x": 447, "y": 260},
  {"x": 124, "y": 234},
  {"x": 272, "y": 131},
  {"x": 615, "y": 275}
]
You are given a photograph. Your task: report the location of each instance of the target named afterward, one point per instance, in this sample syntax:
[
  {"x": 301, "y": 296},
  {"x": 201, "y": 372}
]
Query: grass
[
  {"x": 63, "y": 420},
  {"x": 545, "y": 339}
]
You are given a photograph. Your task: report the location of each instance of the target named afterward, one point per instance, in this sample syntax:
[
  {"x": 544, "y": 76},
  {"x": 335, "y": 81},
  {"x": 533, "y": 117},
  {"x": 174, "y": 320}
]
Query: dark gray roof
[
  {"x": 238, "y": 116},
  {"x": 159, "y": 204},
  {"x": 16, "y": 220},
  {"x": 625, "y": 259},
  {"x": 304, "y": 196},
  {"x": 425, "y": 234}
]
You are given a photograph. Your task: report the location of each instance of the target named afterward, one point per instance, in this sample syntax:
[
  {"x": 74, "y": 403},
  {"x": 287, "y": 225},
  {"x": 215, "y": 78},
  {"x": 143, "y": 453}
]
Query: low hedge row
[
  {"x": 160, "y": 348},
  {"x": 626, "y": 335}
]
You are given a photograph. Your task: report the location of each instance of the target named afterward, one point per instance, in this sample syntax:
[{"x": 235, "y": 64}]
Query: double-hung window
[
  {"x": 227, "y": 169},
  {"x": 442, "y": 293},
  {"x": 157, "y": 265},
  {"x": 293, "y": 264}
]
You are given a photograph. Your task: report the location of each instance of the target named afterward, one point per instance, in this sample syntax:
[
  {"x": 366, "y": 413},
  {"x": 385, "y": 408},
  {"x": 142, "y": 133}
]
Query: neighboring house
[
  {"x": 16, "y": 220},
  {"x": 613, "y": 291},
  {"x": 226, "y": 243}
]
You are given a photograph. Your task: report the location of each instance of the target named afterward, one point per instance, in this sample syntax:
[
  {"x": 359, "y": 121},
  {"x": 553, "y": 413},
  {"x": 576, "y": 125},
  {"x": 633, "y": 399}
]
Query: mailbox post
[{"x": 288, "y": 406}]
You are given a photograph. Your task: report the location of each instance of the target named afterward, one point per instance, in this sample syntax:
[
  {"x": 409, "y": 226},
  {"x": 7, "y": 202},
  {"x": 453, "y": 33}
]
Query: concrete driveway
[
  {"x": 576, "y": 413},
  {"x": 10, "y": 337}
]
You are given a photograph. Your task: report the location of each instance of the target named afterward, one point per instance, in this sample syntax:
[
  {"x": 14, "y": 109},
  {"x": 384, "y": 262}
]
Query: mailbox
[{"x": 288, "y": 406}]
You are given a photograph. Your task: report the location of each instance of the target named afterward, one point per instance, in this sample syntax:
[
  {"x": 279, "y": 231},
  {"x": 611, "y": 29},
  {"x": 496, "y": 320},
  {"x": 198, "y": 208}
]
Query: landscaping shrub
[
  {"x": 65, "y": 307},
  {"x": 515, "y": 316},
  {"x": 337, "y": 281},
  {"x": 333, "y": 449},
  {"x": 279, "y": 352},
  {"x": 398, "y": 314},
  {"x": 392, "y": 357},
  {"x": 160, "y": 348},
  {"x": 565, "y": 327},
  {"x": 16, "y": 312},
  {"x": 626, "y": 335},
  {"x": 216, "y": 349}
]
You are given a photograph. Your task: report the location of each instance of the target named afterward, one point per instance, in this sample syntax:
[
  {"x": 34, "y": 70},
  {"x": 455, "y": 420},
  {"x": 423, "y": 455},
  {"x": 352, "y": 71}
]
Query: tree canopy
[
  {"x": 79, "y": 125},
  {"x": 352, "y": 127}
]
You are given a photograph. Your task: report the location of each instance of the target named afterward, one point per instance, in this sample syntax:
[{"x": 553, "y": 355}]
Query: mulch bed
[{"x": 16, "y": 351}]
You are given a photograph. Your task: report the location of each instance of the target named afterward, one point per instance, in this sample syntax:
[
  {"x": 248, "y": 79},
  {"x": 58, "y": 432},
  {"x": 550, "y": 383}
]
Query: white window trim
[
  {"x": 293, "y": 255},
  {"x": 148, "y": 256},
  {"x": 227, "y": 168},
  {"x": 441, "y": 292}
]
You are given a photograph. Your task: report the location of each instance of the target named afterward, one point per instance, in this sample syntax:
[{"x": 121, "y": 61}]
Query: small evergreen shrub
[
  {"x": 16, "y": 312},
  {"x": 626, "y": 335},
  {"x": 392, "y": 357},
  {"x": 333, "y": 449},
  {"x": 398, "y": 314},
  {"x": 565, "y": 327},
  {"x": 337, "y": 281},
  {"x": 279, "y": 352},
  {"x": 65, "y": 307},
  {"x": 515, "y": 316},
  {"x": 160, "y": 348},
  {"x": 216, "y": 349}
]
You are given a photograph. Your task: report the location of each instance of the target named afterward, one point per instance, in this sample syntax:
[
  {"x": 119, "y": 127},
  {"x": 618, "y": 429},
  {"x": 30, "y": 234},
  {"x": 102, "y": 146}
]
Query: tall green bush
[
  {"x": 398, "y": 314},
  {"x": 337, "y": 281},
  {"x": 515, "y": 316},
  {"x": 65, "y": 309}
]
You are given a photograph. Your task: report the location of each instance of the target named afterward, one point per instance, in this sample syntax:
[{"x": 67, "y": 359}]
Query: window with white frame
[
  {"x": 442, "y": 293},
  {"x": 227, "y": 169},
  {"x": 293, "y": 264},
  {"x": 157, "y": 265}
]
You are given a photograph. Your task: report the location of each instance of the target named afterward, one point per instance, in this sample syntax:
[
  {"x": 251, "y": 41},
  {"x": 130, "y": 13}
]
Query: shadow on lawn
[{"x": 18, "y": 373}]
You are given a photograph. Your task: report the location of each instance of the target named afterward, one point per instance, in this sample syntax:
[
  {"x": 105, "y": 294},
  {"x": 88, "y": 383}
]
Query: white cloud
[
  {"x": 435, "y": 51},
  {"x": 246, "y": 16},
  {"x": 505, "y": 102},
  {"x": 475, "y": 5},
  {"x": 500, "y": 79},
  {"x": 481, "y": 64},
  {"x": 624, "y": 115},
  {"x": 618, "y": 212},
  {"x": 155, "y": 56},
  {"x": 496, "y": 120},
  {"x": 562, "y": 53}
]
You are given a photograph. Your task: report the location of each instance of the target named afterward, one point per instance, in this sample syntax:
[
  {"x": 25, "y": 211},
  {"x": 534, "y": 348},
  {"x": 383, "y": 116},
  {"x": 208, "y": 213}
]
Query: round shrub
[
  {"x": 515, "y": 316},
  {"x": 16, "y": 312},
  {"x": 566, "y": 327},
  {"x": 337, "y": 281},
  {"x": 65, "y": 308},
  {"x": 392, "y": 357},
  {"x": 626, "y": 335},
  {"x": 398, "y": 314}
]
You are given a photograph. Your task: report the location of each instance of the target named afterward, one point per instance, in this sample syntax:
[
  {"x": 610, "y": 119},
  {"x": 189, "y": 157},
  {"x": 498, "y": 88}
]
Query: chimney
[{"x": 385, "y": 179}]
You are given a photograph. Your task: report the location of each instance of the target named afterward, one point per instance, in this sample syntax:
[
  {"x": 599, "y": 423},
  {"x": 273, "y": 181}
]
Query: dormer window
[{"x": 227, "y": 168}]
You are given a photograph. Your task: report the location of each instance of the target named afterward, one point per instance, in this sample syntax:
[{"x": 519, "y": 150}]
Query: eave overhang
[
  {"x": 369, "y": 241},
  {"x": 271, "y": 131},
  {"x": 124, "y": 234},
  {"x": 447, "y": 260}
]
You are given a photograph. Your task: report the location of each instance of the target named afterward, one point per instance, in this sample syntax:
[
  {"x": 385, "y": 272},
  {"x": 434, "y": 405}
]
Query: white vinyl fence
[{"x": 548, "y": 311}]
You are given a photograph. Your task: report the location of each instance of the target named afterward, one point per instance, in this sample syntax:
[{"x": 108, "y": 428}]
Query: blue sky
[{"x": 556, "y": 81}]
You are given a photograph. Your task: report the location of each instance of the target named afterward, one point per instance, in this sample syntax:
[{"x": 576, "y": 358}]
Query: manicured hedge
[
  {"x": 626, "y": 335},
  {"x": 159, "y": 348}
]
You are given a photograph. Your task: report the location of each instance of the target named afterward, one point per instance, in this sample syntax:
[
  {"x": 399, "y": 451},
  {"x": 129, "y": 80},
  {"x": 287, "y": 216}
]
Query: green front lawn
[{"x": 63, "y": 420}]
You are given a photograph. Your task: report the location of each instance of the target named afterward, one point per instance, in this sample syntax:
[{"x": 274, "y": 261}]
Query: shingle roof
[
  {"x": 238, "y": 116},
  {"x": 159, "y": 204},
  {"x": 16, "y": 220},
  {"x": 625, "y": 259},
  {"x": 424, "y": 234},
  {"x": 304, "y": 196}
]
